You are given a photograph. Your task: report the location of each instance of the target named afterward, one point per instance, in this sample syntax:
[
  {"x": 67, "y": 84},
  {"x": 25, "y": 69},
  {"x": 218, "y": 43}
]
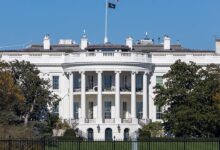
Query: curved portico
[{"x": 109, "y": 91}]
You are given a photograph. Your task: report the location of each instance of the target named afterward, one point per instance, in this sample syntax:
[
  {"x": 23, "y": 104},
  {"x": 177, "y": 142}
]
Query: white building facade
[{"x": 107, "y": 90}]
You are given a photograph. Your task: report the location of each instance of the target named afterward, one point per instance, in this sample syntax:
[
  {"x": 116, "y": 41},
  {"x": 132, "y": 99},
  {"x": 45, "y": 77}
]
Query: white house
[{"x": 107, "y": 90}]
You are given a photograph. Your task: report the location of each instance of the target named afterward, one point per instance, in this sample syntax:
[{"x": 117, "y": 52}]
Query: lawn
[{"x": 208, "y": 144}]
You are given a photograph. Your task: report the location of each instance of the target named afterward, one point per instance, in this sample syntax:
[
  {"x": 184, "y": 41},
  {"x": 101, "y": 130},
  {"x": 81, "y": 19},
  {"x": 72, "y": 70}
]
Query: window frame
[
  {"x": 55, "y": 85},
  {"x": 159, "y": 112},
  {"x": 76, "y": 110},
  {"x": 108, "y": 113}
]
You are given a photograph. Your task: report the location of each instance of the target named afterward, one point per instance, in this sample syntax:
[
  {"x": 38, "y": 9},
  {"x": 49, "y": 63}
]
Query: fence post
[
  {"x": 79, "y": 145},
  {"x": 114, "y": 143},
  {"x": 44, "y": 143},
  {"x": 9, "y": 143},
  {"x": 219, "y": 144},
  {"x": 184, "y": 144}
]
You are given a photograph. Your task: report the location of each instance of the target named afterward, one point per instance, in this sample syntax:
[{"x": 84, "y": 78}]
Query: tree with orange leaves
[{"x": 10, "y": 95}]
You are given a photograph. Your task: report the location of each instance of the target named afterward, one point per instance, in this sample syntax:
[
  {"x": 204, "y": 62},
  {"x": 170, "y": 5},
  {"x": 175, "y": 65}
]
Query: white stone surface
[{"x": 99, "y": 64}]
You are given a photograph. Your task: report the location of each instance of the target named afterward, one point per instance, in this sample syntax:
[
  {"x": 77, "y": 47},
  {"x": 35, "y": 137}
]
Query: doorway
[
  {"x": 108, "y": 134},
  {"x": 90, "y": 134},
  {"x": 126, "y": 134}
]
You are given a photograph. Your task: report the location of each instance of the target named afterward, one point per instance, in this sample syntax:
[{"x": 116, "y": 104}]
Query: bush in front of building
[{"x": 154, "y": 129}]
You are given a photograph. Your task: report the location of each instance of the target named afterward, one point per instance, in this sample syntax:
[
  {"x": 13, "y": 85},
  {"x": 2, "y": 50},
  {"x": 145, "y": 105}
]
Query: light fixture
[
  {"x": 119, "y": 129},
  {"x": 98, "y": 128}
]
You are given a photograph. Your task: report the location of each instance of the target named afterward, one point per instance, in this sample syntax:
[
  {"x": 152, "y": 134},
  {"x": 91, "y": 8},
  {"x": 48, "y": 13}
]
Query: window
[
  {"x": 91, "y": 81},
  {"x": 139, "y": 84},
  {"x": 125, "y": 84},
  {"x": 158, "y": 112},
  {"x": 159, "y": 80},
  {"x": 77, "y": 81},
  {"x": 55, "y": 109},
  {"x": 90, "y": 111},
  {"x": 76, "y": 110},
  {"x": 55, "y": 80},
  {"x": 108, "y": 82},
  {"x": 108, "y": 106},
  {"x": 125, "y": 109},
  {"x": 139, "y": 108}
]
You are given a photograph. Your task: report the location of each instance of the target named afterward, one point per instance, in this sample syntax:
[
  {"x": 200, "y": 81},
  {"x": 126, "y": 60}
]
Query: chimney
[
  {"x": 46, "y": 42},
  {"x": 167, "y": 42},
  {"x": 129, "y": 42},
  {"x": 84, "y": 41},
  {"x": 217, "y": 46}
]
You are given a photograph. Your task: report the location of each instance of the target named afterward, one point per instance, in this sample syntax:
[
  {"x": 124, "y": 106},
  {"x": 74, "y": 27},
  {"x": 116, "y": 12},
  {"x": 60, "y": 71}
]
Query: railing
[
  {"x": 90, "y": 121},
  {"x": 112, "y": 120},
  {"x": 108, "y": 89},
  {"x": 130, "y": 57},
  {"x": 92, "y": 89},
  {"x": 127, "y": 120},
  {"x": 147, "y": 144},
  {"x": 107, "y": 57},
  {"x": 125, "y": 89},
  {"x": 77, "y": 90}
]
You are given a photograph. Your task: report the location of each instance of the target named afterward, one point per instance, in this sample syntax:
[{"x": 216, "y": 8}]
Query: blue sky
[{"x": 195, "y": 23}]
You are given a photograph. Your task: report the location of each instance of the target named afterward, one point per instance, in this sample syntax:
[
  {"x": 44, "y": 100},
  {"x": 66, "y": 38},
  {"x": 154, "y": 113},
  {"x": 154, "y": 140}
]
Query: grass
[{"x": 160, "y": 144}]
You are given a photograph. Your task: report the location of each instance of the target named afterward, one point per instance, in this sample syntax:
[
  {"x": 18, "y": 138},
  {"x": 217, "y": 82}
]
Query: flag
[{"x": 111, "y": 5}]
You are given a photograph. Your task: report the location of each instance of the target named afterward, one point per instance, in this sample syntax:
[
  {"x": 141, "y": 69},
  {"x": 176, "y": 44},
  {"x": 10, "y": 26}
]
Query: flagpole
[{"x": 106, "y": 22}]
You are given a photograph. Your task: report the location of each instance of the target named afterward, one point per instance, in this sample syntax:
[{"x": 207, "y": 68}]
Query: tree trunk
[{"x": 26, "y": 118}]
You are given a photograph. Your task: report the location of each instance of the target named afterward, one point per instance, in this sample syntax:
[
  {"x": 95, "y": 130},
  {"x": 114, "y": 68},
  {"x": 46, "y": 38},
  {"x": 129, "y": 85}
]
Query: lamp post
[
  {"x": 119, "y": 129},
  {"x": 98, "y": 128}
]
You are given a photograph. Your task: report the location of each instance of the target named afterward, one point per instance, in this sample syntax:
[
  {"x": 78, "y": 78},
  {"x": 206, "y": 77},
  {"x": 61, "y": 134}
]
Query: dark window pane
[{"x": 55, "y": 82}]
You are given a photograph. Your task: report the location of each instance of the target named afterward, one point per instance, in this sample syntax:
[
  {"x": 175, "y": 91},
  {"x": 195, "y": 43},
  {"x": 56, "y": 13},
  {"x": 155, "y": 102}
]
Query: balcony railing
[
  {"x": 112, "y": 89},
  {"x": 77, "y": 90},
  {"x": 107, "y": 57},
  {"x": 90, "y": 120},
  {"x": 127, "y": 120},
  {"x": 92, "y": 89},
  {"x": 112, "y": 120}
]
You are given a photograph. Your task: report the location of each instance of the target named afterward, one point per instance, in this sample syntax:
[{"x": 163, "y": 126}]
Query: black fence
[{"x": 147, "y": 144}]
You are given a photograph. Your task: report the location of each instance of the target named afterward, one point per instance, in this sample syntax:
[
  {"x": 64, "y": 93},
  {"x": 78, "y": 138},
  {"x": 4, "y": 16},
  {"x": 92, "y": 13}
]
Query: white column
[
  {"x": 99, "y": 101},
  {"x": 133, "y": 97},
  {"x": 145, "y": 84},
  {"x": 83, "y": 96},
  {"x": 117, "y": 97},
  {"x": 71, "y": 98}
]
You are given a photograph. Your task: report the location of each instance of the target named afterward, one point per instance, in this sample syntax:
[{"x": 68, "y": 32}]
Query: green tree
[
  {"x": 190, "y": 94},
  {"x": 38, "y": 97}
]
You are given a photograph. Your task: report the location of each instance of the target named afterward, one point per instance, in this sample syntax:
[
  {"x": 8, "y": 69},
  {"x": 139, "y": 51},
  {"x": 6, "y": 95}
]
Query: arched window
[
  {"x": 108, "y": 134},
  {"x": 126, "y": 134},
  {"x": 90, "y": 134}
]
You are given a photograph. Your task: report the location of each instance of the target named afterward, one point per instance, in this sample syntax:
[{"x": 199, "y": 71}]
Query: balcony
[
  {"x": 90, "y": 120},
  {"x": 82, "y": 57},
  {"x": 111, "y": 120},
  {"x": 92, "y": 89},
  {"x": 108, "y": 81},
  {"x": 127, "y": 120}
]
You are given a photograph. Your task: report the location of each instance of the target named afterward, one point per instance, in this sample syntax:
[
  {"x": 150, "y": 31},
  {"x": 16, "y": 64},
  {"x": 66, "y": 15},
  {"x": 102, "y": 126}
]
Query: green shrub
[{"x": 154, "y": 129}]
